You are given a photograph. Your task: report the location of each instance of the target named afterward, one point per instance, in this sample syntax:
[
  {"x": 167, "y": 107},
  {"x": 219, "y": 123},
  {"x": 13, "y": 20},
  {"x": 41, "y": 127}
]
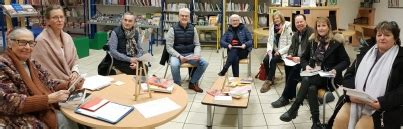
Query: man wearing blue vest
[
  {"x": 124, "y": 45},
  {"x": 182, "y": 43}
]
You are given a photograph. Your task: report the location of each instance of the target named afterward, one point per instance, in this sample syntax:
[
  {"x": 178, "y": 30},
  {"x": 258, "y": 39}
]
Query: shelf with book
[
  {"x": 262, "y": 16},
  {"x": 75, "y": 17},
  {"x": 170, "y": 13},
  {"x": 243, "y": 8},
  {"x": 209, "y": 36}
]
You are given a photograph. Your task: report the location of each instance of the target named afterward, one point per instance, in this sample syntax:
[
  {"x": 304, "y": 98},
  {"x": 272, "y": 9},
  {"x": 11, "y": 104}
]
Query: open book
[{"x": 359, "y": 94}]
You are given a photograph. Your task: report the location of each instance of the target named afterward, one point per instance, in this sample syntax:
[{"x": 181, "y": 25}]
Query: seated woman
[
  {"x": 238, "y": 41},
  {"x": 55, "y": 50},
  {"x": 325, "y": 52},
  {"x": 279, "y": 41},
  {"x": 377, "y": 72},
  {"x": 28, "y": 97}
]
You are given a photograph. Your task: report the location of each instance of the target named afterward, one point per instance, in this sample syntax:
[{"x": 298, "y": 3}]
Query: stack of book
[
  {"x": 16, "y": 10},
  {"x": 159, "y": 85}
]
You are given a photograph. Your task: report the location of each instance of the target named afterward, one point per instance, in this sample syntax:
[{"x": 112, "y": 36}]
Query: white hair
[
  {"x": 184, "y": 10},
  {"x": 234, "y": 16},
  {"x": 18, "y": 31}
]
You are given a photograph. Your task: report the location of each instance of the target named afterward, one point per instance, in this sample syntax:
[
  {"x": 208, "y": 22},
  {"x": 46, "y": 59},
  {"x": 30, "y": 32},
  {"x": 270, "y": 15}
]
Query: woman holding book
[
  {"x": 378, "y": 72},
  {"x": 29, "y": 99},
  {"x": 279, "y": 41},
  {"x": 325, "y": 52},
  {"x": 238, "y": 41},
  {"x": 55, "y": 50}
]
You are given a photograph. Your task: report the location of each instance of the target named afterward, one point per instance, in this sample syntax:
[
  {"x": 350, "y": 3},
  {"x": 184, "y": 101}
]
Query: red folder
[{"x": 94, "y": 104}]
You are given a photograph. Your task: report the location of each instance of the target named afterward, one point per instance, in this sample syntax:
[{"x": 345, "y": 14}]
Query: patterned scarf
[
  {"x": 320, "y": 52},
  {"x": 36, "y": 86},
  {"x": 131, "y": 44}
]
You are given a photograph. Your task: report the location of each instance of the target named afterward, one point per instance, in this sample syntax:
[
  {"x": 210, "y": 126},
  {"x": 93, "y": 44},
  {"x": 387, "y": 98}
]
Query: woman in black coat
[
  {"x": 378, "y": 72},
  {"x": 327, "y": 53}
]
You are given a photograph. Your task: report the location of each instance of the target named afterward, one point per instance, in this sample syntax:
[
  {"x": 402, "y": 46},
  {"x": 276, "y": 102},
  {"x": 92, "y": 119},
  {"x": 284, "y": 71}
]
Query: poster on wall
[{"x": 395, "y": 3}]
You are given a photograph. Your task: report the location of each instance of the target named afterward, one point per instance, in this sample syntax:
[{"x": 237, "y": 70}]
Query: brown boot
[
  {"x": 266, "y": 86},
  {"x": 195, "y": 87}
]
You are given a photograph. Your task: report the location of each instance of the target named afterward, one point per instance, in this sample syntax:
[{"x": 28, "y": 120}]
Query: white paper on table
[
  {"x": 359, "y": 94},
  {"x": 289, "y": 62},
  {"x": 97, "y": 82},
  {"x": 326, "y": 74},
  {"x": 156, "y": 107}
]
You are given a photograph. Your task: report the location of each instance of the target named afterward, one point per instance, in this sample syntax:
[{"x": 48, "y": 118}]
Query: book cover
[
  {"x": 156, "y": 81},
  {"x": 94, "y": 104}
]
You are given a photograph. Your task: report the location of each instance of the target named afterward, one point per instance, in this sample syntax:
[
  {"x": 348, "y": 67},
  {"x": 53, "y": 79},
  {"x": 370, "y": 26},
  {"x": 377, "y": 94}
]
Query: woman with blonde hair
[{"x": 279, "y": 41}]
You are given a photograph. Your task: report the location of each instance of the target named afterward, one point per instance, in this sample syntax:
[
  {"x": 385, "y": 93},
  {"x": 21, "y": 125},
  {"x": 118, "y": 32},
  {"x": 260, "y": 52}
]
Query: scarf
[
  {"x": 320, "y": 52},
  {"x": 375, "y": 80},
  {"x": 131, "y": 44},
  {"x": 49, "y": 53},
  {"x": 36, "y": 87}
]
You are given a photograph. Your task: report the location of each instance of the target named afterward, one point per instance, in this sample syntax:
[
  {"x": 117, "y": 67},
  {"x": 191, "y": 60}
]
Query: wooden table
[
  {"x": 241, "y": 103},
  {"x": 124, "y": 95}
]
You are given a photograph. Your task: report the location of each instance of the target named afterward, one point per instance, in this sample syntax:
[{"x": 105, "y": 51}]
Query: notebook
[{"x": 110, "y": 112}]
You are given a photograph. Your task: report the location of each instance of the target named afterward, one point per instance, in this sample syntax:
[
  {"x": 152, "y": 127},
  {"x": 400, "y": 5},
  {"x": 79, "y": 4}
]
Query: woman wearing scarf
[
  {"x": 28, "y": 98},
  {"x": 238, "y": 41},
  {"x": 324, "y": 52},
  {"x": 55, "y": 50},
  {"x": 124, "y": 45},
  {"x": 378, "y": 72},
  {"x": 279, "y": 41}
]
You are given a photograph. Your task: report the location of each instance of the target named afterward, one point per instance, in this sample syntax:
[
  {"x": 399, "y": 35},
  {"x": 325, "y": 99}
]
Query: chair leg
[
  {"x": 250, "y": 67},
  {"x": 166, "y": 70},
  {"x": 324, "y": 106}
]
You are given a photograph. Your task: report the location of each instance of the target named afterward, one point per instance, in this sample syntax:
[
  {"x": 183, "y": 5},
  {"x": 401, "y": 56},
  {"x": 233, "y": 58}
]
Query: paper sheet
[
  {"x": 359, "y": 94},
  {"x": 289, "y": 62},
  {"x": 307, "y": 74},
  {"x": 156, "y": 107},
  {"x": 97, "y": 82},
  {"x": 326, "y": 74},
  {"x": 111, "y": 112}
]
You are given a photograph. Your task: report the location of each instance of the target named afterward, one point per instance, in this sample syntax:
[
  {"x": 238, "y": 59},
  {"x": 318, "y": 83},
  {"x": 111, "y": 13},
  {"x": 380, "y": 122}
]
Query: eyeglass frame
[{"x": 31, "y": 43}]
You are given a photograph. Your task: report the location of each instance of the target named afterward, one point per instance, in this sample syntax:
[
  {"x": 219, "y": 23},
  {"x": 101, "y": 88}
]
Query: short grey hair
[
  {"x": 184, "y": 10},
  {"x": 234, "y": 16},
  {"x": 129, "y": 13},
  {"x": 17, "y": 31}
]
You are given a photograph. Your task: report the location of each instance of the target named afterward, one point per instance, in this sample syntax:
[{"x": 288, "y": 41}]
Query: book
[
  {"x": 94, "y": 104},
  {"x": 168, "y": 89},
  {"x": 97, "y": 82},
  {"x": 110, "y": 112},
  {"x": 156, "y": 81},
  {"x": 359, "y": 94}
]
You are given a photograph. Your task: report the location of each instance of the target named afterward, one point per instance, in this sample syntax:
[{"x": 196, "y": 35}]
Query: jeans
[
  {"x": 292, "y": 79},
  {"x": 234, "y": 55},
  {"x": 175, "y": 63},
  {"x": 270, "y": 67},
  {"x": 63, "y": 122}
]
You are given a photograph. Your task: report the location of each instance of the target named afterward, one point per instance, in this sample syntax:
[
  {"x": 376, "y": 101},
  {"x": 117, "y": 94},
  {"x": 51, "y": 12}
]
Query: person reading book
[
  {"x": 238, "y": 41},
  {"x": 29, "y": 97},
  {"x": 378, "y": 72},
  {"x": 182, "y": 40}
]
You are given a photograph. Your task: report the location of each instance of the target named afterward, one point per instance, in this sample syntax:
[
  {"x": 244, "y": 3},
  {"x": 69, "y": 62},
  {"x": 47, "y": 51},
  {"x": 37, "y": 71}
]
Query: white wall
[
  {"x": 348, "y": 10},
  {"x": 382, "y": 12}
]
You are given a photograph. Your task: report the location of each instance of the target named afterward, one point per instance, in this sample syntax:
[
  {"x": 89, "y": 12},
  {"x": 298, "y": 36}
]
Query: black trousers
[
  {"x": 125, "y": 67},
  {"x": 270, "y": 67},
  {"x": 234, "y": 55},
  {"x": 292, "y": 78}
]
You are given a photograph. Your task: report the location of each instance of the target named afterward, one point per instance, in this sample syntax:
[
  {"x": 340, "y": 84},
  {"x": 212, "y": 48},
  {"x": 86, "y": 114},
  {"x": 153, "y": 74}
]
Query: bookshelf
[
  {"x": 209, "y": 36},
  {"x": 170, "y": 13},
  {"x": 245, "y": 9}
]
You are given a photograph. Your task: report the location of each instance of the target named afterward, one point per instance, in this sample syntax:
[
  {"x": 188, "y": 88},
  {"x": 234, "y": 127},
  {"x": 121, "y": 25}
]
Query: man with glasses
[
  {"x": 124, "y": 45},
  {"x": 182, "y": 43}
]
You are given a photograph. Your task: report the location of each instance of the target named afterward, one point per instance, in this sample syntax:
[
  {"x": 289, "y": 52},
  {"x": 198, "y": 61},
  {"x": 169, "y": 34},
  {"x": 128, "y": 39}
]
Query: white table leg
[
  {"x": 240, "y": 118},
  {"x": 209, "y": 120}
]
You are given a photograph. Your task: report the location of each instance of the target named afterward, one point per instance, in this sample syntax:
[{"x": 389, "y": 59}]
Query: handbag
[{"x": 261, "y": 75}]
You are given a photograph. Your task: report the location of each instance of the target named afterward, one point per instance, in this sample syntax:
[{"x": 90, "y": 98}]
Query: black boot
[
  {"x": 293, "y": 111},
  {"x": 314, "y": 107},
  {"x": 290, "y": 114},
  {"x": 223, "y": 71}
]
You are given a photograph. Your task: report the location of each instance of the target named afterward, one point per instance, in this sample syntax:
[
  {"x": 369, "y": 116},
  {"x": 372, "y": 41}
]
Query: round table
[{"x": 123, "y": 94}]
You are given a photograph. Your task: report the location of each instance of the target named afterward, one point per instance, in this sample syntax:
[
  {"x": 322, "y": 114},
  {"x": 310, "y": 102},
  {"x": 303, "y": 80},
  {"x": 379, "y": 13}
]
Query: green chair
[{"x": 82, "y": 46}]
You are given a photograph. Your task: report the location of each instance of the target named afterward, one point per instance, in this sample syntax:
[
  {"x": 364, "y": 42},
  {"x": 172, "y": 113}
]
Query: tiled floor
[{"x": 258, "y": 115}]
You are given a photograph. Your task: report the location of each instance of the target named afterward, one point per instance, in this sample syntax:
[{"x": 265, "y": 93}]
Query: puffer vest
[{"x": 184, "y": 38}]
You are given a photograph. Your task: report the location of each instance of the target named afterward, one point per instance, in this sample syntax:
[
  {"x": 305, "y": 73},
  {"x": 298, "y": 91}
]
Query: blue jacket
[{"x": 245, "y": 37}]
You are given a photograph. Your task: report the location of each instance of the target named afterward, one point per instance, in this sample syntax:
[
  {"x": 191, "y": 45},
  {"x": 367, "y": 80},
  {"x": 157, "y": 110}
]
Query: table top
[
  {"x": 261, "y": 32},
  {"x": 235, "y": 103},
  {"x": 124, "y": 95}
]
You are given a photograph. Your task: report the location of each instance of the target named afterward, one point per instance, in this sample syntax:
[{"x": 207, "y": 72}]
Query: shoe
[
  {"x": 280, "y": 102},
  {"x": 317, "y": 125},
  {"x": 266, "y": 86},
  {"x": 195, "y": 87},
  {"x": 289, "y": 115},
  {"x": 222, "y": 72}
]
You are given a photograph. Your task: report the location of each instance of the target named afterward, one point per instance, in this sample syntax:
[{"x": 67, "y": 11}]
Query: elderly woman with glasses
[
  {"x": 55, "y": 50},
  {"x": 28, "y": 98}
]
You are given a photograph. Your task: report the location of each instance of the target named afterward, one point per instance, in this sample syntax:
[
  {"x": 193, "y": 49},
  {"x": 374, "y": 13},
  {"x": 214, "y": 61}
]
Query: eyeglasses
[
  {"x": 57, "y": 17},
  {"x": 24, "y": 42}
]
